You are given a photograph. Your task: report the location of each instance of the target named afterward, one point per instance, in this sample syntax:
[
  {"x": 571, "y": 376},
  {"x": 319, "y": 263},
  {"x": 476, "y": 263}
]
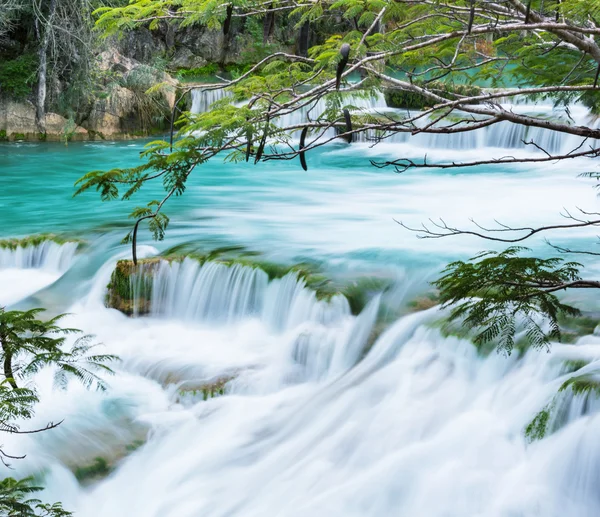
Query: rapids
[{"x": 323, "y": 413}]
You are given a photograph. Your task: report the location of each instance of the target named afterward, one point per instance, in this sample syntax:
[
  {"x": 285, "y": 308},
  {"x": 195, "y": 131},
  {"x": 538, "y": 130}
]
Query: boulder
[
  {"x": 17, "y": 122},
  {"x": 185, "y": 58}
]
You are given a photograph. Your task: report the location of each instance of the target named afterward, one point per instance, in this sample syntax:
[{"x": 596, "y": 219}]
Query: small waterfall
[
  {"x": 47, "y": 255},
  {"x": 219, "y": 293},
  {"x": 318, "y": 338},
  {"x": 202, "y": 99},
  {"x": 504, "y": 135}
]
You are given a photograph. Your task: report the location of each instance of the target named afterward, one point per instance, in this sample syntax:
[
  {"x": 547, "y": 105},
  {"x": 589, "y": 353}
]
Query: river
[{"x": 313, "y": 421}]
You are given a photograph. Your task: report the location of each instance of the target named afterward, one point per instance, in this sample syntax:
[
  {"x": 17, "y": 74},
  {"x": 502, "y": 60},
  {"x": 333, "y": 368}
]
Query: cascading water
[
  {"x": 504, "y": 135},
  {"x": 47, "y": 255},
  {"x": 26, "y": 269},
  {"x": 317, "y": 412},
  {"x": 202, "y": 98}
]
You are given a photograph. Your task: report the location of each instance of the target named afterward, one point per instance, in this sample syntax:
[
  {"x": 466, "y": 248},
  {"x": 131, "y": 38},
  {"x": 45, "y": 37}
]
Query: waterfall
[
  {"x": 202, "y": 99},
  {"x": 219, "y": 293},
  {"x": 48, "y": 255},
  {"x": 25, "y": 270},
  {"x": 504, "y": 135},
  {"x": 319, "y": 338}
]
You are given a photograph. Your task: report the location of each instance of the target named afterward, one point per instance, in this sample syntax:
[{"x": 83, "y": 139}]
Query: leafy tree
[
  {"x": 15, "y": 500},
  {"x": 27, "y": 345},
  {"x": 548, "y": 48}
]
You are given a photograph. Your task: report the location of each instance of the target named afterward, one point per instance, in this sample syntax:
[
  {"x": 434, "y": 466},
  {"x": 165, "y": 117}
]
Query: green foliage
[
  {"x": 496, "y": 292},
  {"x": 3, "y": 136},
  {"x": 98, "y": 469},
  {"x": 29, "y": 344},
  {"x": 17, "y": 76},
  {"x": 396, "y": 98},
  {"x": 538, "y": 427},
  {"x": 582, "y": 385},
  {"x": 16, "y": 500},
  {"x": 208, "y": 70},
  {"x": 574, "y": 365}
]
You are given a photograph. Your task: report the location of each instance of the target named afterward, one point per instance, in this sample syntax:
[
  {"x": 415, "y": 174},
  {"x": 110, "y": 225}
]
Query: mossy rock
[
  {"x": 97, "y": 470},
  {"x": 120, "y": 294},
  {"x": 120, "y": 291},
  {"x": 206, "y": 390},
  {"x": 424, "y": 302},
  {"x": 35, "y": 240}
]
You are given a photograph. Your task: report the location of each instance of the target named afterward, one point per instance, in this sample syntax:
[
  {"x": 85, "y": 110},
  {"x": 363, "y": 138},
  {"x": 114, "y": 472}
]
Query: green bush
[
  {"x": 396, "y": 98},
  {"x": 17, "y": 76},
  {"x": 191, "y": 73}
]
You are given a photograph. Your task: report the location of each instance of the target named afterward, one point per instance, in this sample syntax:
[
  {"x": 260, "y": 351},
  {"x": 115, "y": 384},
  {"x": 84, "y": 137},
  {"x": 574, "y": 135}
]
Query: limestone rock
[
  {"x": 17, "y": 122},
  {"x": 185, "y": 58}
]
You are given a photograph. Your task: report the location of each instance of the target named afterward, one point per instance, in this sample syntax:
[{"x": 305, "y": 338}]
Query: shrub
[
  {"x": 397, "y": 98},
  {"x": 17, "y": 76}
]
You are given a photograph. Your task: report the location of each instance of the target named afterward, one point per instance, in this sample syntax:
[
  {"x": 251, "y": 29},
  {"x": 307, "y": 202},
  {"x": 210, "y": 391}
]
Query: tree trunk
[
  {"x": 8, "y": 372},
  {"x": 268, "y": 26},
  {"x": 40, "y": 112},
  {"x": 303, "y": 40},
  {"x": 226, "y": 31}
]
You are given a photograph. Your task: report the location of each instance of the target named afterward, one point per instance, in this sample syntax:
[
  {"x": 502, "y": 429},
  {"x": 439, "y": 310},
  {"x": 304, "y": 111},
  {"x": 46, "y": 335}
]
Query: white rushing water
[
  {"x": 317, "y": 412},
  {"x": 307, "y": 427},
  {"x": 25, "y": 270},
  {"x": 504, "y": 135}
]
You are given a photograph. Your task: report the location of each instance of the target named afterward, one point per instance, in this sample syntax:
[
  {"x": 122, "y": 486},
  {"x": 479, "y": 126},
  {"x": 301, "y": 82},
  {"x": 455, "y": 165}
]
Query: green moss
[
  {"x": 120, "y": 291},
  {"x": 207, "y": 71},
  {"x": 97, "y": 470},
  {"x": 42, "y": 137},
  {"x": 18, "y": 136},
  {"x": 424, "y": 302},
  {"x": 134, "y": 446},
  {"x": 3, "y": 136},
  {"x": 538, "y": 427},
  {"x": 35, "y": 240}
]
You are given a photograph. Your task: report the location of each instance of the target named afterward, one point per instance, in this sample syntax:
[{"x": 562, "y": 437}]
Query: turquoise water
[{"x": 341, "y": 209}]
